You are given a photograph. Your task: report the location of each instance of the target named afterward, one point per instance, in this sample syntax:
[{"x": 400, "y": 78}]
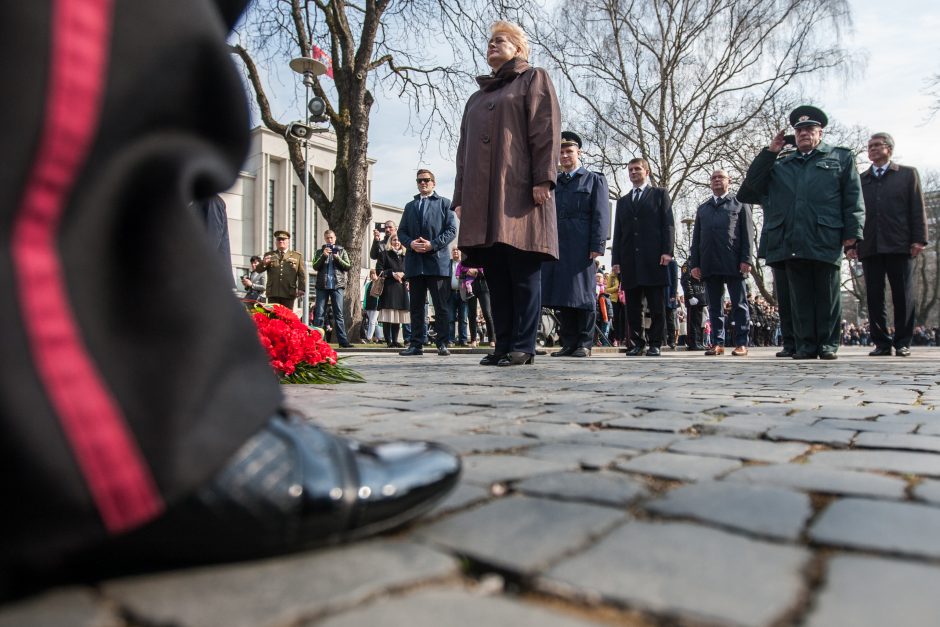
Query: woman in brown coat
[{"x": 506, "y": 168}]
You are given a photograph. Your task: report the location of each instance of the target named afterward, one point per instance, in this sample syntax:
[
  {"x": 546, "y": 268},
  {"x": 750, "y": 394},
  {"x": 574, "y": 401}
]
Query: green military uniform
[
  {"x": 286, "y": 275},
  {"x": 815, "y": 202}
]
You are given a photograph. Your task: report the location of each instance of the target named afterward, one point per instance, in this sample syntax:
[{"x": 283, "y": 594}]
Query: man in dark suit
[
  {"x": 722, "y": 255},
  {"x": 428, "y": 226},
  {"x": 644, "y": 239},
  {"x": 568, "y": 284},
  {"x": 895, "y": 233}
]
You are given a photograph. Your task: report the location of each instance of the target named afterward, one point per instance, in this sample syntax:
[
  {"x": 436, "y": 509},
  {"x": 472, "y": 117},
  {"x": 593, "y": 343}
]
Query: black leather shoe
[
  {"x": 653, "y": 351},
  {"x": 904, "y": 351},
  {"x": 292, "y": 487},
  {"x": 802, "y": 356},
  {"x": 442, "y": 351},
  {"x": 564, "y": 352},
  {"x": 515, "y": 358},
  {"x": 784, "y": 353},
  {"x": 580, "y": 352},
  {"x": 636, "y": 351},
  {"x": 881, "y": 351},
  {"x": 411, "y": 350},
  {"x": 828, "y": 355},
  {"x": 346, "y": 345},
  {"x": 491, "y": 359}
]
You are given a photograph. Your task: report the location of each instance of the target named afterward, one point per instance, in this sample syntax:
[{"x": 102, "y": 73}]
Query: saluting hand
[{"x": 777, "y": 143}]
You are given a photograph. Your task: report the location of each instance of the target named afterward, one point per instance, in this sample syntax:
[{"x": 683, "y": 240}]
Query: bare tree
[
  {"x": 680, "y": 82},
  {"x": 376, "y": 45}
]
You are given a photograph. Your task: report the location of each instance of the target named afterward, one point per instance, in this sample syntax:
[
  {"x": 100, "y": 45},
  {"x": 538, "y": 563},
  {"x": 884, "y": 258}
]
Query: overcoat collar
[{"x": 508, "y": 72}]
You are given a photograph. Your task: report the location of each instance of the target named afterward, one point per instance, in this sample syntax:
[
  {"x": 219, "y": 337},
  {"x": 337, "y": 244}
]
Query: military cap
[
  {"x": 808, "y": 115},
  {"x": 281, "y": 234},
  {"x": 568, "y": 138}
]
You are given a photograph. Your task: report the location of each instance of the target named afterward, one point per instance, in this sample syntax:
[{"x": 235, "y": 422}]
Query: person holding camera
[
  {"x": 286, "y": 271},
  {"x": 332, "y": 266},
  {"x": 254, "y": 283},
  {"x": 381, "y": 235}
]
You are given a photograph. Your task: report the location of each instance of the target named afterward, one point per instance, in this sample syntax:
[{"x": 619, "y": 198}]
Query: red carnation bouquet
[{"x": 298, "y": 353}]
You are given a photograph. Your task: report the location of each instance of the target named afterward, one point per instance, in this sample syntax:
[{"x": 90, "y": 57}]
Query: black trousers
[
  {"x": 899, "y": 269},
  {"x": 481, "y": 297},
  {"x": 515, "y": 281},
  {"x": 693, "y": 325},
  {"x": 577, "y": 327},
  {"x": 418, "y": 288},
  {"x": 117, "y": 405},
  {"x": 815, "y": 305},
  {"x": 782, "y": 291},
  {"x": 655, "y": 302}
]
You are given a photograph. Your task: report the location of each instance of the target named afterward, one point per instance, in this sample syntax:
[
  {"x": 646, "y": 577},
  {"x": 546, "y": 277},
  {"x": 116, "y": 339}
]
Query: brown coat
[{"x": 509, "y": 142}]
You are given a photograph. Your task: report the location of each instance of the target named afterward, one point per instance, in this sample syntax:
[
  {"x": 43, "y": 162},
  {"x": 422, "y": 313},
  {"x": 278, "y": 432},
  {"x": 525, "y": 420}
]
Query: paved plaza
[{"x": 684, "y": 490}]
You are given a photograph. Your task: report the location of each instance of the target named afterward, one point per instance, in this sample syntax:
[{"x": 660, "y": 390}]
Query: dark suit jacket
[
  {"x": 895, "y": 216},
  {"x": 643, "y": 232},
  {"x": 435, "y": 222},
  {"x": 723, "y": 237}
]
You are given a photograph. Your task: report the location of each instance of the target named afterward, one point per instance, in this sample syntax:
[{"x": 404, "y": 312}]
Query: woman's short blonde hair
[{"x": 516, "y": 35}]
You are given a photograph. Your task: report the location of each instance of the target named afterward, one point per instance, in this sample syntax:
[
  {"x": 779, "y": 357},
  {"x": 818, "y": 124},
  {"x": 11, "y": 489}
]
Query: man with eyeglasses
[
  {"x": 895, "y": 233},
  {"x": 813, "y": 213},
  {"x": 286, "y": 272},
  {"x": 428, "y": 226}
]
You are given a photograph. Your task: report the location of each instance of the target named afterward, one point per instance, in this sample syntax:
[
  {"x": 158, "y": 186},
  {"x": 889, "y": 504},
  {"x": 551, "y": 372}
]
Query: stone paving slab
[
  {"x": 489, "y": 469},
  {"x": 874, "y": 592},
  {"x": 880, "y": 461},
  {"x": 585, "y": 456},
  {"x": 838, "y": 438},
  {"x": 280, "y": 591},
  {"x": 679, "y": 467},
  {"x": 880, "y": 526},
  {"x": 605, "y": 488},
  {"x": 688, "y": 571},
  {"x": 772, "y": 512},
  {"x": 751, "y": 426},
  {"x": 521, "y": 534},
  {"x": 898, "y": 441},
  {"x": 928, "y": 490},
  {"x": 75, "y": 607},
  {"x": 454, "y": 608},
  {"x": 867, "y": 425},
  {"x": 824, "y": 480},
  {"x": 736, "y": 448}
]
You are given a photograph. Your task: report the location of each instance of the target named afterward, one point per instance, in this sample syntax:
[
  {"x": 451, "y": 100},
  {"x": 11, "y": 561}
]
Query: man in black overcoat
[
  {"x": 643, "y": 245},
  {"x": 895, "y": 233}
]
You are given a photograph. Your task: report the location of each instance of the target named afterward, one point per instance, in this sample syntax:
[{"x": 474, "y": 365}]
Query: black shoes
[
  {"x": 580, "y": 352},
  {"x": 291, "y": 487},
  {"x": 564, "y": 352},
  {"x": 636, "y": 351},
  {"x": 784, "y": 353},
  {"x": 412, "y": 350},
  {"x": 903, "y": 351},
  {"x": 653, "y": 351},
  {"x": 346, "y": 345},
  {"x": 516, "y": 358},
  {"x": 828, "y": 355},
  {"x": 881, "y": 351},
  {"x": 442, "y": 351},
  {"x": 491, "y": 360}
]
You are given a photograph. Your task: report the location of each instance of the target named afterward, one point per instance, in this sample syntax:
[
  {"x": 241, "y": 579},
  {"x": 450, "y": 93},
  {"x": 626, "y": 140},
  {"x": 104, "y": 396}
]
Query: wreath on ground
[{"x": 297, "y": 352}]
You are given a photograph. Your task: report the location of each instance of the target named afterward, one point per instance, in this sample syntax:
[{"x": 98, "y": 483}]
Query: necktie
[
  {"x": 636, "y": 194},
  {"x": 566, "y": 177},
  {"x": 879, "y": 172}
]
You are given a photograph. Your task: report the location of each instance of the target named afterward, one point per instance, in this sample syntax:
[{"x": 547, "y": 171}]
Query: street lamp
[
  {"x": 688, "y": 222},
  {"x": 310, "y": 69}
]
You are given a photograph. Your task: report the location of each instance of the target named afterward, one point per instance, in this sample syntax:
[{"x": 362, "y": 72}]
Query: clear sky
[{"x": 898, "y": 48}]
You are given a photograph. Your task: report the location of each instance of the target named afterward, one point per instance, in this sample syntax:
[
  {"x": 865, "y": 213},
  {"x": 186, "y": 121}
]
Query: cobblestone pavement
[{"x": 684, "y": 490}]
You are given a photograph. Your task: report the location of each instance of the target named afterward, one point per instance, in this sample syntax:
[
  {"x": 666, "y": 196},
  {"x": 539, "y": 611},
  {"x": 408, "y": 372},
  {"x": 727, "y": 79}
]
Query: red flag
[{"x": 320, "y": 55}]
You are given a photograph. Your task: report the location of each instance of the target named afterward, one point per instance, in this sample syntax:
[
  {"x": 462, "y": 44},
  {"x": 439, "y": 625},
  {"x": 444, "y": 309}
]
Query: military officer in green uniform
[
  {"x": 286, "y": 272},
  {"x": 813, "y": 214}
]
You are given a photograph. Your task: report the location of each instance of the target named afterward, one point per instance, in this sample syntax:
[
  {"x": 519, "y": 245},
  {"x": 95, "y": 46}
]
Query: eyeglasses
[
  {"x": 422, "y": 180},
  {"x": 878, "y": 145}
]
